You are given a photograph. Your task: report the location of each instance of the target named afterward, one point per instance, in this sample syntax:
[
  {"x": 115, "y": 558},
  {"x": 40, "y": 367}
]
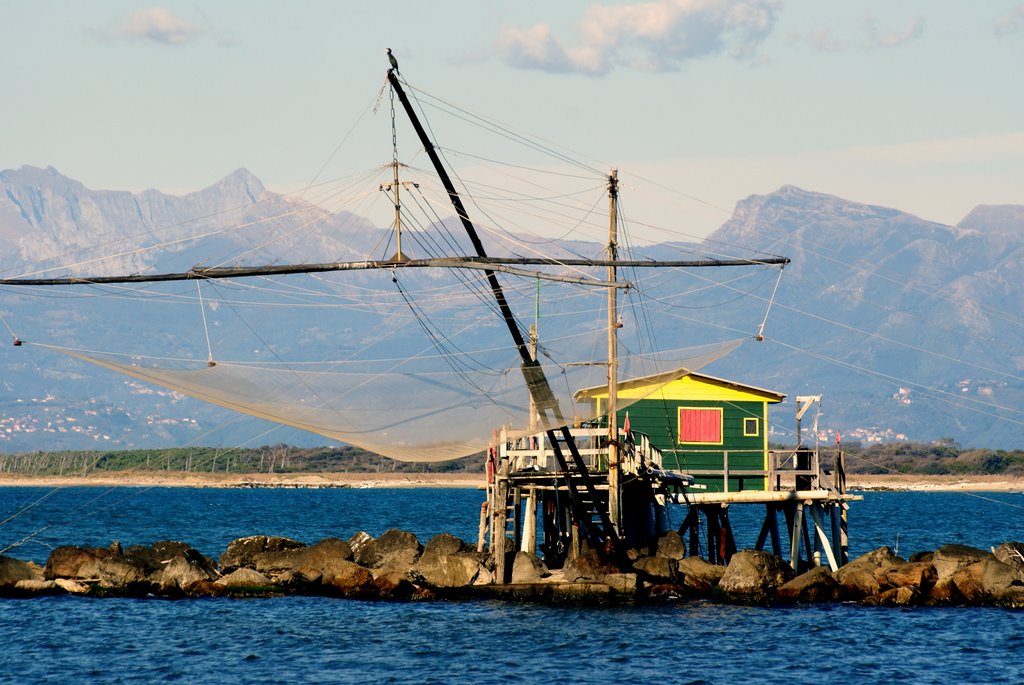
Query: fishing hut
[{"x": 693, "y": 441}]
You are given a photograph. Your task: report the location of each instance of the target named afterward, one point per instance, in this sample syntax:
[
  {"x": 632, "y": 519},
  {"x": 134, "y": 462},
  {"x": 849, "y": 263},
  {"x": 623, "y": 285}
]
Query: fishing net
[{"x": 406, "y": 409}]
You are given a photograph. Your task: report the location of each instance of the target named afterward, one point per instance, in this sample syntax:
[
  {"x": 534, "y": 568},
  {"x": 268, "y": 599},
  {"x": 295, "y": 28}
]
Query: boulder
[
  {"x": 988, "y": 582},
  {"x": 122, "y": 573},
  {"x": 451, "y": 570},
  {"x": 446, "y": 543},
  {"x": 860, "y": 577},
  {"x": 358, "y": 541},
  {"x": 949, "y": 559},
  {"x": 393, "y": 585},
  {"x": 395, "y": 549},
  {"x": 242, "y": 551},
  {"x": 302, "y": 564},
  {"x": 698, "y": 576},
  {"x": 74, "y": 562},
  {"x": 72, "y": 586},
  {"x": 814, "y": 586},
  {"x": 896, "y": 597},
  {"x": 347, "y": 579},
  {"x": 586, "y": 566},
  {"x": 657, "y": 570},
  {"x": 1011, "y": 553},
  {"x": 244, "y": 578},
  {"x": 753, "y": 577},
  {"x": 155, "y": 556},
  {"x": 527, "y": 568},
  {"x": 920, "y": 575},
  {"x": 37, "y": 586},
  {"x": 950, "y": 562},
  {"x": 671, "y": 545},
  {"x": 12, "y": 571},
  {"x": 184, "y": 570},
  {"x": 623, "y": 583}
]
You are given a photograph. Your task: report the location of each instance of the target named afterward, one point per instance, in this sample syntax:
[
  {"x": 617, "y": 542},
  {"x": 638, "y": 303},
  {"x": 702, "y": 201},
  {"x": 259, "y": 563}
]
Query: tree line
[
  {"x": 265, "y": 459},
  {"x": 940, "y": 457}
]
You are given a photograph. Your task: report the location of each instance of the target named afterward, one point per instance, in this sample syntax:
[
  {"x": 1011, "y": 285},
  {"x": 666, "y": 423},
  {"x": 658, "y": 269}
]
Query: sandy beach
[{"x": 973, "y": 483}]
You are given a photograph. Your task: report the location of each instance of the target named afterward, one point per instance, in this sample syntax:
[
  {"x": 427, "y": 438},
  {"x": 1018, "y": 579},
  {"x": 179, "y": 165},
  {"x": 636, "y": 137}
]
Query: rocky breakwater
[{"x": 396, "y": 566}]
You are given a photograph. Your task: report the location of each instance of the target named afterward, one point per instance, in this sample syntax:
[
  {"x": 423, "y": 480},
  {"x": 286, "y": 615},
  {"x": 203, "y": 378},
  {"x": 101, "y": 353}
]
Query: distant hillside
[{"x": 909, "y": 329}]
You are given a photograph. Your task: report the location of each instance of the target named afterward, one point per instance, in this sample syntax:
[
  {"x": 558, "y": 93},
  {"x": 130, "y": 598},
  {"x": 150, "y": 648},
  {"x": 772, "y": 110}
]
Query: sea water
[{"x": 320, "y": 640}]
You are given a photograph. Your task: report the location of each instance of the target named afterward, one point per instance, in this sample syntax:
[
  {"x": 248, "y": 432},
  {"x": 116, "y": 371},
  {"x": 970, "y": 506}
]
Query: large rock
[
  {"x": 155, "y": 556},
  {"x": 395, "y": 549},
  {"x": 79, "y": 563},
  {"x": 860, "y": 577},
  {"x": 347, "y": 579},
  {"x": 586, "y": 566},
  {"x": 989, "y": 582},
  {"x": 527, "y": 568},
  {"x": 445, "y": 564},
  {"x": 244, "y": 578},
  {"x": 243, "y": 551},
  {"x": 918, "y": 575},
  {"x": 446, "y": 543},
  {"x": 699, "y": 576},
  {"x": 122, "y": 573},
  {"x": 657, "y": 570},
  {"x": 13, "y": 571},
  {"x": 1011, "y": 554},
  {"x": 671, "y": 545},
  {"x": 814, "y": 586},
  {"x": 753, "y": 577},
  {"x": 949, "y": 561},
  {"x": 184, "y": 570},
  {"x": 302, "y": 564}
]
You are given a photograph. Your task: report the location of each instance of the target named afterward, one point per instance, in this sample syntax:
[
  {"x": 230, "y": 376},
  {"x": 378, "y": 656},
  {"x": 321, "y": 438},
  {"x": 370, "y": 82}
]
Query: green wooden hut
[{"x": 711, "y": 428}]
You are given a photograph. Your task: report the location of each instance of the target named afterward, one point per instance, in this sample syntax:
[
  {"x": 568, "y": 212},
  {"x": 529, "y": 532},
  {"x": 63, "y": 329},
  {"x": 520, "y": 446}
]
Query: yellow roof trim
[{"x": 682, "y": 384}]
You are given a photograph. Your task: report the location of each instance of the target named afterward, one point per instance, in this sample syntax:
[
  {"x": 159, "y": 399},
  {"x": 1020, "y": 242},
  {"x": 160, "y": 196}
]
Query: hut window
[
  {"x": 750, "y": 428},
  {"x": 700, "y": 425}
]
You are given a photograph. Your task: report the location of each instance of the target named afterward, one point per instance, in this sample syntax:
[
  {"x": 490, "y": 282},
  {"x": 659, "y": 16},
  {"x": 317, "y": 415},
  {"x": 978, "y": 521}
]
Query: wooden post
[
  {"x": 529, "y": 543},
  {"x": 482, "y": 531},
  {"x": 614, "y": 510},
  {"x": 795, "y": 533},
  {"x": 822, "y": 539}
]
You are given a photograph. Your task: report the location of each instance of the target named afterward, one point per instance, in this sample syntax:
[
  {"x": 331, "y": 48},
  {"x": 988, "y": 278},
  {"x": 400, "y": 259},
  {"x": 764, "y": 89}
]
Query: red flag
[
  {"x": 625, "y": 424},
  {"x": 837, "y": 437}
]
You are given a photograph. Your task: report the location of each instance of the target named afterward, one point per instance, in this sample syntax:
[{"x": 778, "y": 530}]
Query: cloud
[
  {"x": 158, "y": 25},
  {"x": 1011, "y": 22},
  {"x": 654, "y": 36},
  {"x": 873, "y": 36},
  {"x": 891, "y": 39}
]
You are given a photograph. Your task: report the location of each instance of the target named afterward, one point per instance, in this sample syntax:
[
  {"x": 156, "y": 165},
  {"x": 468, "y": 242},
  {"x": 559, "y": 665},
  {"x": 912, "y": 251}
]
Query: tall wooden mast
[{"x": 614, "y": 510}]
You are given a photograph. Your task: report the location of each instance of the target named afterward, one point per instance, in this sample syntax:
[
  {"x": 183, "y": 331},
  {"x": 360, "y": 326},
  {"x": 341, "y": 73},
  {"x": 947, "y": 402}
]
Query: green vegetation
[
  {"x": 936, "y": 458},
  {"x": 266, "y": 459}
]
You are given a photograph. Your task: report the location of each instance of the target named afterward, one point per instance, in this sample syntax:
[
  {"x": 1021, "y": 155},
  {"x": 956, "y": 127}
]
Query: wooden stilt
[
  {"x": 774, "y": 530},
  {"x": 529, "y": 543},
  {"x": 816, "y": 514},
  {"x": 795, "y": 533}
]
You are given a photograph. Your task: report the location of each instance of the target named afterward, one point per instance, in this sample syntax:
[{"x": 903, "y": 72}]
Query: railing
[
  {"x": 787, "y": 469},
  {"x": 534, "y": 452}
]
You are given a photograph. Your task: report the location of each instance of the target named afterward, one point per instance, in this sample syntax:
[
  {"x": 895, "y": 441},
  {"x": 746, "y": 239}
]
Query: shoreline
[{"x": 855, "y": 482}]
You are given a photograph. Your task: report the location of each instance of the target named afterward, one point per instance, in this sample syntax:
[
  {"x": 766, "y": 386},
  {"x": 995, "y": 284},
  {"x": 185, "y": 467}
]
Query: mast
[{"x": 614, "y": 510}]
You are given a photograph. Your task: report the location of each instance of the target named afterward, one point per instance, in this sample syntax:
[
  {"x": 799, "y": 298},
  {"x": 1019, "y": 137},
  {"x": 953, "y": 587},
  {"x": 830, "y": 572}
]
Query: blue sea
[{"x": 326, "y": 640}]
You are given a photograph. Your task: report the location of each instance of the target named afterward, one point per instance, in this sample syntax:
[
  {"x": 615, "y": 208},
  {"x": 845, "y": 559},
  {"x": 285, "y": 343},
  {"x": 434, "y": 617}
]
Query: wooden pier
[{"x": 539, "y": 504}]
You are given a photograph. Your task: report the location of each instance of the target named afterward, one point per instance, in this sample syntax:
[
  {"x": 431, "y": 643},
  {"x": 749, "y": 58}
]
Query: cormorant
[{"x": 394, "y": 62}]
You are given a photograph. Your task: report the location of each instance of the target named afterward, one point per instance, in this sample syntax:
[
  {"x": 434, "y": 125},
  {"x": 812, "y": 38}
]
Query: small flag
[
  {"x": 625, "y": 424},
  {"x": 837, "y": 437}
]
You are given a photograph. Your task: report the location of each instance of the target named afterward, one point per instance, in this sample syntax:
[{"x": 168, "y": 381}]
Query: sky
[{"x": 917, "y": 105}]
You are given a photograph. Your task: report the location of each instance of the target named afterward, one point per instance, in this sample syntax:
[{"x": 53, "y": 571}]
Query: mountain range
[{"x": 909, "y": 329}]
